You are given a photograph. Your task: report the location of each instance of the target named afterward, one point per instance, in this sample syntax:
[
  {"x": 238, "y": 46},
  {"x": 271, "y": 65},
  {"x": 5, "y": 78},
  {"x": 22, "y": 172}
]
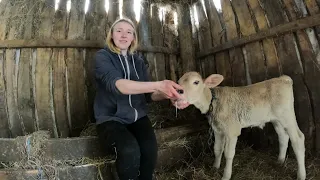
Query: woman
[{"x": 123, "y": 90}]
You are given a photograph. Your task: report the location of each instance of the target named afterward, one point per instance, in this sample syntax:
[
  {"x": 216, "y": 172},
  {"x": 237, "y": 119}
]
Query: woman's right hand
[{"x": 169, "y": 89}]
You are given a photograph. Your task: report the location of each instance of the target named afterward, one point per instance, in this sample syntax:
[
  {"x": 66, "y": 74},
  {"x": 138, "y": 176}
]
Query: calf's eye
[{"x": 196, "y": 82}]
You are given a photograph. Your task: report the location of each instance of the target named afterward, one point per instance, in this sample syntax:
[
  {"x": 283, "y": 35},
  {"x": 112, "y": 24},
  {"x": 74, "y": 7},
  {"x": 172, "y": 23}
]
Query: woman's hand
[{"x": 169, "y": 89}]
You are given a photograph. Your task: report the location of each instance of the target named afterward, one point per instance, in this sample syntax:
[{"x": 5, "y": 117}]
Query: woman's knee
[
  {"x": 130, "y": 150},
  {"x": 128, "y": 160}
]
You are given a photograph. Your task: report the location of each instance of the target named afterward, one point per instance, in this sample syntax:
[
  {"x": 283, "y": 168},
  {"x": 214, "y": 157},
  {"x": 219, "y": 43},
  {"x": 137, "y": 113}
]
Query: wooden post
[
  {"x": 4, "y": 120},
  {"x": 43, "y": 69},
  {"x": 187, "y": 53},
  {"x": 59, "y": 71},
  {"x": 75, "y": 68}
]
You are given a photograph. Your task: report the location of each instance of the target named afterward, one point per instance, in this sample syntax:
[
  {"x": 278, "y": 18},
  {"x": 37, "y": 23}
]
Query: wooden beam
[
  {"x": 52, "y": 43},
  {"x": 166, "y": 158},
  {"x": 302, "y": 23}
]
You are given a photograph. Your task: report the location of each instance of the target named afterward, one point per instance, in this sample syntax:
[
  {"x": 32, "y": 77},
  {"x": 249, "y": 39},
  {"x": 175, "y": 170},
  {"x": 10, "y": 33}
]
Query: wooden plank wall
[
  {"x": 52, "y": 88},
  {"x": 294, "y": 53}
]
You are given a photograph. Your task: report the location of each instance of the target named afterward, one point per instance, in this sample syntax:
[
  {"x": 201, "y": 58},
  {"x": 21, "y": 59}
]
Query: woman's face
[{"x": 123, "y": 35}]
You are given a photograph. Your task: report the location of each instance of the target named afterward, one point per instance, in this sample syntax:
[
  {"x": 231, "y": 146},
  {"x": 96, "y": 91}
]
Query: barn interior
[{"x": 47, "y": 83}]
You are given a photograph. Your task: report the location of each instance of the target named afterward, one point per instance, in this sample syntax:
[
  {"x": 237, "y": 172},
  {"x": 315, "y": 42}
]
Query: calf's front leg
[
  {"x": 229, "y": 152},
  {"x": 219, "y": 144}
]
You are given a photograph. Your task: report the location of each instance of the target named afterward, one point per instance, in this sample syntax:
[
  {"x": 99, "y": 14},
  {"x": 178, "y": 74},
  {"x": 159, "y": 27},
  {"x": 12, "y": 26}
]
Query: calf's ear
[{"x": 213, "y": 80}]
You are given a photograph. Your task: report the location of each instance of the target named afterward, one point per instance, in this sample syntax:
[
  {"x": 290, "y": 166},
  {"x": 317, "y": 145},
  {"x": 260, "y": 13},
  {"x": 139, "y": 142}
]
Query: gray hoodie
[{"x": 110, "y": 103}]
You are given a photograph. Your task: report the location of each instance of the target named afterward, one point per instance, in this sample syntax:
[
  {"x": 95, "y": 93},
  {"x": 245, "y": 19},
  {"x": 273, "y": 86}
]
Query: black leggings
[{"x": 135, "y": 146}]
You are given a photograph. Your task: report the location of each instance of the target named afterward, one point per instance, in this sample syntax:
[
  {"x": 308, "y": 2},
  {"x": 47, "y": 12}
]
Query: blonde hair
[{"x": 110, "y": 43}]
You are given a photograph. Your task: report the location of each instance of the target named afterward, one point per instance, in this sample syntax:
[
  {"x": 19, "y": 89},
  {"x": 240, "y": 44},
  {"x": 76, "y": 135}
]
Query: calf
[{"x": 231, "y": 108}]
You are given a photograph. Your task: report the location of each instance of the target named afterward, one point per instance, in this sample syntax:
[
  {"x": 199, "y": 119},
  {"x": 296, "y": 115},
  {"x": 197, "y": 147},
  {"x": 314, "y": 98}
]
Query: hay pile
[{"x": 248, "y": 164}]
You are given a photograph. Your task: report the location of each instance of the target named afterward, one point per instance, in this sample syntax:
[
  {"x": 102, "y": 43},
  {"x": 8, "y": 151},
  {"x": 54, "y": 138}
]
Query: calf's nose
[{"x": 180, "y": 91}]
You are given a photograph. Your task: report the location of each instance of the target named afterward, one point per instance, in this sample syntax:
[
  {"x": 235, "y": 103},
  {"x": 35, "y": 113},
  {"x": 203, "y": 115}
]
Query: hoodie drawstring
[
  {"x": 125, "y": 75},
  {"x": 134, "y": 66}
]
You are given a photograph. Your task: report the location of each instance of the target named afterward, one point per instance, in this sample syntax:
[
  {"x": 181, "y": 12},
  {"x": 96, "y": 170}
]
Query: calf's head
[{"x": 195, "y": 88}]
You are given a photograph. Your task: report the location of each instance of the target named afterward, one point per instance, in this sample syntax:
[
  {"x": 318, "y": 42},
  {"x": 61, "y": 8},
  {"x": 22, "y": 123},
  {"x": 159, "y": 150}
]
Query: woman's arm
[{"x": 159, "y": 89}]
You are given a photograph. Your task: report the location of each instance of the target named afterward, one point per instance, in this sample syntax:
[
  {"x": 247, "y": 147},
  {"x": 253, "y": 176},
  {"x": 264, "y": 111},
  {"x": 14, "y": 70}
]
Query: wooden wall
[
  {"x": 248, "y": 41},
  {"x": 47, "y": 60}
]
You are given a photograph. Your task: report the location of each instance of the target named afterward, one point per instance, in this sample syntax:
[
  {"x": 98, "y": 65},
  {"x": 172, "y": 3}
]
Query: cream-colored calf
[{"x": 231, "y": 108}]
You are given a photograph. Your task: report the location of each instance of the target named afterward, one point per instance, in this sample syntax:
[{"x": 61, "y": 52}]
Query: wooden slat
[
  {"x": 95, "y": 30},
  {"x": 254, "y": 57},
  {"x": 290, "y": 63},
  {"x": 269, "y": 48},
  {"x": 128, "y": 10},
  {"x": 113, "y": 12},
  {"x": 144, "y": 29},
  {"x": 170, "y": 40},
  {"x": 25, "y": 100},
  {"x": 144, "y": 35},
  {"x": 43, "y": 91},
  {"x": 78, "y": 147},
  {"x": 185, "y": 38},
  {"x": 205, "y": 41},
  {"x": 26, "y": 104},
  {"x": 11, "y": 69},
  {"x": 157, "y": 40},
  {"x": 75, "y": 66},
  {"x": 235, "y": 67},
  {"x": 43, "y": 70},
  {"x": 222, "y": 59},
  {"x": 4, "y": 126},
  {"x": 59, "y": 71},
  {"x": 312, "y": 8},
  {"x": 279, "y": 29},
  {"x": 4, "y": 14}
]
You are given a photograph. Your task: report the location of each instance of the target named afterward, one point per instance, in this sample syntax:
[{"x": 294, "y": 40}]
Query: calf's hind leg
[{"x": 283, "y": 140}]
